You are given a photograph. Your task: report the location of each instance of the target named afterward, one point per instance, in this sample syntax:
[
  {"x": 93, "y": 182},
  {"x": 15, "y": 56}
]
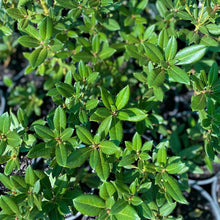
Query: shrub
[{"x": 113, "y": 146}]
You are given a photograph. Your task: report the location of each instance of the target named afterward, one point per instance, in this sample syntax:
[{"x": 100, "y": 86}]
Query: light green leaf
[
  {"x": 106, "y": 53},
  {"x": 61, "y": 154},
  {"x": 190, "y": 54},
  {"x": 153, "y": 52},
  {"x": 162, "y": 156},
  {"x": 46, "y": 28},
  {"x": 5, "y": 123},
  {"x": 90, "y": 205},
  {"x": 84, "y": 135},
  {"x": 59, "y": 119},
  {"x": 178, "y": 75},
  {"x": 198, "y": 102},
  {"x": 11, "y": 204},
  {"x": 118, "y": 206},
  {"x": 128, "y": 213},
  {"x": 106, "y": 190},
  {"x": 131, "y": 114},
  {"x": 111, "y": 25},
  {"x": 108, "y": 147},
  {"x": 167, "y": 208},
  {"x": 122, "y": 98},
  {"x": 171, "y": 49},
  {"x": 28, "y": 41},
  {"x": 107, "y": 98},
  {"x": 44, "y": 132},
  {"x": 65, "y": 89},
  {"x": 116, "y": 130},
  {"x": 176, "y": 168},
  {"x": 30, "y": 177},
  {"x": 100, "y": 114},
  {"x": 91, "y": 104},
  {"x": 136, "y": 142},
  {"x": 38, "y": 56},
  {"x": 13, "y": 139}
]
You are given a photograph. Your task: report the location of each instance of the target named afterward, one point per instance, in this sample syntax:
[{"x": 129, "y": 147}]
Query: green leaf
[
  {"x": 59, "y": 119},
  {"x": 153, "y": 52},
  {"x": 106, "y": 53},
  {"x": 108, "y": 147},
  {"x": 102, "y": 167},
  {"x": 116, "y": 130},
  {"x": 136, "y": 142},
  {"x": 95, "y": 44},
  {"x": 15, "y": 13},
  {"x": 11, "y": 204},
  {"x": 118, "y": 206},
  {"x": 163, "y": 39},
  {"x": 93, "y": 159},
  {"x": 173, "y": 190},
  {"x": 61, "y": 154},
  {"x": 28, "y": 41},
  {"x": 84, "y": 135},
  {"x": 106, "y": 190},
  {"x": 162, "y": 156},
  {"x": 122, "y": 98},
  {"x": 213, "y": 74},
  {"x": 38, "y": 56},
  {"x": 100, "y": 114},
  {"x": 67, "y": 4},
  {"x": 107, "y": 98},
  {"x": 5, "y": 123},
  {"x": 171, "y": 49},
  {"x": 82, "y": 69},
  {"x": 128, "y": 213},
  {"x": 105, "y": 126},
  {"x": 167, "y": 208},
  {"x": 214, "y": 29},
  {"x": 127, "y": 160},
  {"x": 39, "y": 150},
  {"x": 13, "y": 139},
  {"x": 176, "y": 168},
  {"x": 44, "y": 132},
  {"x": 90, "y": 205},
  {"x": 141, "y": 6},
  {"x": 46, "y": 28},
  {"x": 111, "y": 25},
  {"x": 190, "y": 54},
  {"x": 178, "y": 75},
  {"x": 133, "y": 52},
  {"x": 155, "y": 78},
  {"x": 6, "y": 181},
  {"x": 65, "y": 89},
  {"x": 22, "y": 117},
  {"x": 147, "y": 213},
  {"x": 30, "y": 177},
  {"x": 78, "y": 157},
  {"x": 198, "y": 102},
  {"x": 11, "y": 164},
  {"x": 131, "y": 114},
  {"x": 91, "y": 104},
  {"x": 66, "y": 134}
]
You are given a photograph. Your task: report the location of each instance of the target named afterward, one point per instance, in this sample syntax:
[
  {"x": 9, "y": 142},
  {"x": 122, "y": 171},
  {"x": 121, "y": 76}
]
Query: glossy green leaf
[
  {"x": 100, "y": 114},
  {"x": 116, "y": 130},
  {"x": 136, "y": 142},
  {"x": 171, "y": 48},
  {"x": 173, "y": 190},
  {"x": 122, "y": 98},
  {"x": 6, "y": 181},
  {"x": 131, "y": 114},
  {"x": 176, "y": 168},
  {"x": 105, "y": 126},
  {"x": 127, "y": 160},
  {"x": 214, "y": 29},
  {"x": 163, "y": 39},
  {"x": 162, "y": 156},
  {"x": 15, "y": 13},
  {"x": 167, "y": 208},
  {"x": 128, "y": 213},
  {"x": 102, "y": 168},
  {"x": 22, "y": 117},
  {"x": 198, "y": 102},
  {"x": 78, "y": 157},
  {"x": 66, "y": 134},
  {"x": 30, "y": 177},
  {"x": 84, "y": 135},
  {"x": 46, "y": 28},
  {"x": 106, "y": 53},
  {"x": 190, "y": 54},
  {"x": 118, "y": 206},
  {"x": 106, "y": 190},
  {"x": 178, "y": 75},
  {"x": 28, "y": 41},
  {"x": 108, "y": 147},
  {"x": 65, "y": 89},
  {"x": 93, "y": 159},
  {"x": 67, "y": 4},
  {"x": 153, "y": 52},
  {"x": 13, "y": 139},
  {"x": 61, "y": 154},
  {"x": 38, "y": 56},
  {"x": 111, "y": 25},
  {"x": 5, "y": 123},
  {"x": 155, "y": 78},
  {"x": 44, "y": 132},
  {"x": 107, "y": 98},
  {"x": 59, "y": 119},
  {"x": 90, "y": 205},
  {"x": 39, "y": 150},
  {"x": 213, "y": 74},
  {"x": 11, "y": 204}
]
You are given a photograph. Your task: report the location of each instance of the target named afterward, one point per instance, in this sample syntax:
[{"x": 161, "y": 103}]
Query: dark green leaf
[
  {"x": 122, "y": 98},
  {"x": 65, "y": 89},
  {"x": 59, "y": 119},
  {"x": 178, "y": 75},
  {"x": 84, "y": 135},
  {"x": 38, "y": 56},
  {"x": 28, "y": 41}
]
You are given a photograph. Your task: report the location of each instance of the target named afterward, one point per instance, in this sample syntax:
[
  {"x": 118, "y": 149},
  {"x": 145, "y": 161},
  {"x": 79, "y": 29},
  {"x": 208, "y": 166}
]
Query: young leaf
[
  {"x": 84, "y": 135},
  {"x": 122, "y": 98},
  {"x": 190, "y": 54},
  {"x": 136, "y": 142},
  {"x": 90, "y": 205}
]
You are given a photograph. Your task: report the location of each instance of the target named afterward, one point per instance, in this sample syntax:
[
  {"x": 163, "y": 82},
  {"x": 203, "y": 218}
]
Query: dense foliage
[{"x": 111, "y": 145}]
